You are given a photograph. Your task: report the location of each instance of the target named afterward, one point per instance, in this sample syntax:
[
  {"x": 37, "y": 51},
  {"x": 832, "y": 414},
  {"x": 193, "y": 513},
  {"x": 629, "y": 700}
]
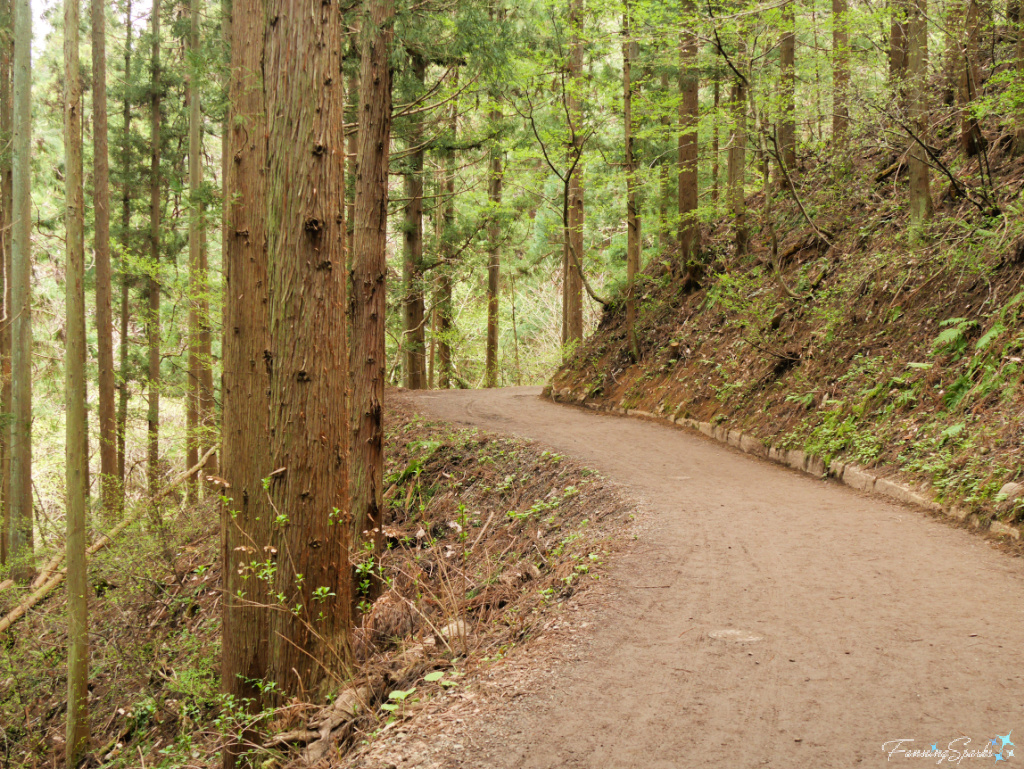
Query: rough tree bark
[
  {"x": 689, "y": 117},
  {"x": 572, "y": 259},
  {"x": 630, "y": 52},
  {"x": 77, "y": 737},
  {"x": 20, "y": 539},
  {"x": 369, "y": 271},
  {"x": 494, "y": 184},
  {"x": 917, "y": 74},
  {"x": 153, "y": 282},
  {"x": 414, "y": 311}
]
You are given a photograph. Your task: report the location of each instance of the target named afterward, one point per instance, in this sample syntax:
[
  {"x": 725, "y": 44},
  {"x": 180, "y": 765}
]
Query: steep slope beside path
[{"x": 767, "y": 619}]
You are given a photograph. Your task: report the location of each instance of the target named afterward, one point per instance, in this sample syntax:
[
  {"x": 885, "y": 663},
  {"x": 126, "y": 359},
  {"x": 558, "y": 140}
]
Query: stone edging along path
[{"x": 852, "y": 475}]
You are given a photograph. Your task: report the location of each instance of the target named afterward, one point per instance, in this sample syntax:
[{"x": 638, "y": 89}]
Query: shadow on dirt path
[{"x": 766, "y": 618}]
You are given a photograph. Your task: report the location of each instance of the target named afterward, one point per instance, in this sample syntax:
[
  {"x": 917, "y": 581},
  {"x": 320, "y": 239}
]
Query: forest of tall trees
[{"x": 228, "y": 227}]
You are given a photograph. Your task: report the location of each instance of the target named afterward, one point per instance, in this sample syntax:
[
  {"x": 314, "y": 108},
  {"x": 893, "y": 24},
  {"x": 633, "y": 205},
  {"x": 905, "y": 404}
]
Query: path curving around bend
[{"x": 766, "y": 619}]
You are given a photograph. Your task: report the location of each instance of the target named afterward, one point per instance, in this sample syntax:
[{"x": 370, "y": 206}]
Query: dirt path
[{"x": 767, "y": 619}]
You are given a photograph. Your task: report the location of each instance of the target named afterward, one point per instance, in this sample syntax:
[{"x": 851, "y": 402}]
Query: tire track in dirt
[{"x": 875, "y": 622}]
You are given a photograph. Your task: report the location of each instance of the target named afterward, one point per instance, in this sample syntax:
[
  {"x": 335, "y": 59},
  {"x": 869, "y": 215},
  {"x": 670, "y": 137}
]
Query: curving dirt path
[{"x": 765, "y": 619}]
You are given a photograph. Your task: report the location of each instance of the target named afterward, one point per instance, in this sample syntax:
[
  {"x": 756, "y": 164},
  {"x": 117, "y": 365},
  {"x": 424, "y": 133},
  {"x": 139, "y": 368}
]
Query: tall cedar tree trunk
[
  {"x": 572, "y": 260},
  {"x": 787, "y": 88},
  {"x": 287, "y": 351},
  {"x": 20, "y": 539},
  {"x": 369, "y": 271},
  {"x": 494, "y": 184},
  {"x": 445, "y": 322},
  {"x": 629, "y": 55},
  {"x": 353, "y": 140},
  {"x": 153, "y": 283},
  {"x": 245, "y": 453},
  {"x": 109, "y": 483},
  {"x": 668, "y": 188},
  {"x": 199, "y": 397},
  {"x": 917, "y": 74},
  {"x": 840, "y": 77},
  {"x": 77, "y": 737},
  {"x": 412, "y": 262},
  {"x": 971, "y": 139},
  {"x": 953, "y": 58},
  {"x": 715, "y": 143},
  {"x": 126, "y": 224},
  {"x": 689, "y": 116},
  {"x": 5, "y": 268},
  {"x": 738, "y": 164}
]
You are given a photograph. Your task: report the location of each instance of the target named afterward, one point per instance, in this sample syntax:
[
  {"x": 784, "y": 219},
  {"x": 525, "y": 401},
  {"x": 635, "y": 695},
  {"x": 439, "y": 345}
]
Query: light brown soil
[{"x": 873, "y": 622}]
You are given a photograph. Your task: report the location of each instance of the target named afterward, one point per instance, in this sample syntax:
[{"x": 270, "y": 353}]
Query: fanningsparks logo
[{"x": 999, "y": 748}]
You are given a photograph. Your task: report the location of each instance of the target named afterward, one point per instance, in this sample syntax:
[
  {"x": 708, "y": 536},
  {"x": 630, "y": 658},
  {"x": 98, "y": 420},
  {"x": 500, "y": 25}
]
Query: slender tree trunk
[
  {"x": 689, "y": 117},
  {"x": 1018, "y": 145},
  {"x": 494, "y": 184},
  {"x": 898, "y": 45},
  {"x": 445, "y": 323},
  {"x": 153, "y": 283},
  {"x": 412, "y": 263},
  {"x": 715, "y": 143},
  {"x": 196, "y": 273},
  {"x": 954, "y": 54},
  {"x": 6, "y": 127},
  {"x": 787, "y": 82},
  {"x": 245, "y": 453},
  {"x": 126, "y": 224},
  {"x": 109, "y": 483},
  {"x": 840, "y": 77},
  {"x": 738, "y": 164},
  {"x": 20, "y": 539},
  {"x": 77, "y": 738},
  {"x": 971, "y": 139},
  {"x": 630, "y": 52},
  {"x": 369, "y": 272},
  {"x": 572, "y": 262},
  {"x": 668, "y": 188},
  {"x": 920, "y": 189}
]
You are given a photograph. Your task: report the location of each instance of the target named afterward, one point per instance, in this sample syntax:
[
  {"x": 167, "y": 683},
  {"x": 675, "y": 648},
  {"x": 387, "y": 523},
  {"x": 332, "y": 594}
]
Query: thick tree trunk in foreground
[
  {"x": 77, "y": 737},
  {"x": 153, "y": 283},
  {"x": 369, "y": 271},
  {"x": 109, "y": 484},
  {"x": 572, "y": 261},
  {"x": 415, "y": 337},
  {"x": 630, "y": 51},
  {"x": 917, "y": 74},
  {"x": 20, "y": 537},
  {"x": 494, "y": 181},
  {"x": 689, "y": 116}
]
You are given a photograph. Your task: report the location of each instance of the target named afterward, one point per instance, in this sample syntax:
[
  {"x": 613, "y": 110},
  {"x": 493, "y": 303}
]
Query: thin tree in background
[
  {"x": 840, "y": 77},
  {"x": 494, "y": 184},
  {"x": 412, "y": 262},
  {"x": 689, "y": 116},
  {"x": 633, "y": 243},
  {"x": 787, "y": 88},
  {"x": 77, "y": 741},
  {"x": 572, "y": 260},
  {"x": 126, "y": 226},
  {"x": 668, "y": 188},
  {"x": 917, "y": 74},
  {"x": 20, "y": 539},
  {"x": 899, "y": 59},
  {"x": 6, "y": 114},
  {"x": 738, "y": 161},
  {"x": 369, "y": 272},
  {"x": 153, "y": 283},
  {"x": 715, "y": 141},
  {"x": 109, "y": 481},
  {"x": 443, "y": 303},
  {"x": 971, "y": 139},
  {"x": 1018, "y": 146}
]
